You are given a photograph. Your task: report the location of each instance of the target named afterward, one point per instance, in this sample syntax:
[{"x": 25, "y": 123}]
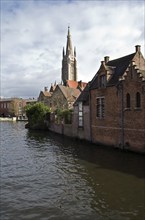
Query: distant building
[
  {"x": 44, "y": 96},
  {"x": 14, "y": 107},
  {"x": 69, "y": 62},
  {"x": 63, "y": 97},
  {"x": 70, "y": 88}
]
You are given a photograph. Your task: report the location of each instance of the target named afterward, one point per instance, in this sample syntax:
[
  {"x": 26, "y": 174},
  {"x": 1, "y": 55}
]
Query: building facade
[
  {"x": 15, "y": 107},
  {"x": 117, "y": 102},
  {"x": 12, "y": 107},
  {"x": 63, "y": 97},
  {"x": 45, "y": 95}
]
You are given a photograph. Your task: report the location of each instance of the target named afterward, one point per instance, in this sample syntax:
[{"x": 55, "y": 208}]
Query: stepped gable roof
[
  {"x": 120, "y": 65},
  {"x": 52, "y": 88},
  {"x": 70, "y": 93},
  {"x": 84, "y": 96},
  {"x": 142, "y": 72},
  {"x": 117, "y": 66}
]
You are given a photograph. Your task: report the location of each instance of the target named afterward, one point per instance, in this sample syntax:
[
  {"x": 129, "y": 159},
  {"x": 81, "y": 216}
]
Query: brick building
[
  {"x": 44, "y": 96},
  {"x": 63, "y": 97},
  {"x": 15, "y": 107},
  {"x": 117, "y": 102},
  {"x": 12, "y": 107}
]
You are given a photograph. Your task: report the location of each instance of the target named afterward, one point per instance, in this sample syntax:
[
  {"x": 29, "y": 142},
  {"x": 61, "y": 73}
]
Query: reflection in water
[{"x": 48, "y": 176}]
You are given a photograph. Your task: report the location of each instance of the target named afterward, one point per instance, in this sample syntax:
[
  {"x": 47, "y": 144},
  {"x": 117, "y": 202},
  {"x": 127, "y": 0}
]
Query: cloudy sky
[{"x": 33, "y": 33}]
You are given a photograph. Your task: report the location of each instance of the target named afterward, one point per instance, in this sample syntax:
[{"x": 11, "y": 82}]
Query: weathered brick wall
[
  {"x": 58, "y": 100},
  {"x": 134, "y": 118},
  {"x": 57, "y": 128},
  {"x": 112, "y": 130},
  {"x": 105, "y": 130},
  {"x": 65, "y": 129},
  {"x": 123, "y": 127},
  {"x": 68, "y": 130}
]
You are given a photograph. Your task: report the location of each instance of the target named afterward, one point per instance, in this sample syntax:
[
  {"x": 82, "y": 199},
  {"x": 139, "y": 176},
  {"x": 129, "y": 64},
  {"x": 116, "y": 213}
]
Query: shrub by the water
[{"x": 37, "y": 115}]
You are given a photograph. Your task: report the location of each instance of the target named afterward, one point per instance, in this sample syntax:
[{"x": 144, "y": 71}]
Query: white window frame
[{"x": 80, "y": 115}]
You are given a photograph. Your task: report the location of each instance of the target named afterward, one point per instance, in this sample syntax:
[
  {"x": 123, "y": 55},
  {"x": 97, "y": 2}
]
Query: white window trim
[{"x": 80, "y": 116}]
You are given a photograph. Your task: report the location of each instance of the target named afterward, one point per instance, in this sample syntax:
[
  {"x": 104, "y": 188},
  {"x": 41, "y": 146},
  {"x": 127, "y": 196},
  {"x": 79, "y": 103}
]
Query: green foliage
[
  {"x": 67, "y": 115},
  {"x": 37, "y": 114},
  {"x": 64, "y": 115}
]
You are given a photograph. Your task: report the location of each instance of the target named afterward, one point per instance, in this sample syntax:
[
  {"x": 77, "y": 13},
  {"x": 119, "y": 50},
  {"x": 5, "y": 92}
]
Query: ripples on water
[{"x": 50, "y": 177}]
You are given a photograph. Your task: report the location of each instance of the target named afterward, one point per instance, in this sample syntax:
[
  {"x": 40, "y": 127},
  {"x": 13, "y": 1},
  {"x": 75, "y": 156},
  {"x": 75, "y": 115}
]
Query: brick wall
[{"x": 120, "y": 127}]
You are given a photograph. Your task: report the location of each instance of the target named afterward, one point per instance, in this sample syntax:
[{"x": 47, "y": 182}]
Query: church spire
[
  {"x": 69, "y": 49},
  {"x": 69, "y": 61}
]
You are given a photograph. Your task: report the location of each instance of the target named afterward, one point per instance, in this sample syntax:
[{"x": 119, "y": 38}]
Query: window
[
  {"x": 2, "y": 105},
  {"x": 128, "y": 100},
  {"x": 138, "y": 100},
  {"x": 102, "y": 81},
  {"x": 80, "y": 114},
  {"x": 7, "y": 104},
  {"x": 100, "y": 107}
]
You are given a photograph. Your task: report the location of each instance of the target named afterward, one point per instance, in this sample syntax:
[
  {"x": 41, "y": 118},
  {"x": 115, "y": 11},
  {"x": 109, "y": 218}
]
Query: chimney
[
  {"x": 137, "y": 48},
  {"x": 45, "y": 88},
  {"x": 106, "y": 59}
]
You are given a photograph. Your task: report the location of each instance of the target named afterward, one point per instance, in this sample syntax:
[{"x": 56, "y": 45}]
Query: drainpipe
[
  {"x": 122, "y": 116},
  {"x": 90, "y": 114},
  {"x": 121, "y": 94}
]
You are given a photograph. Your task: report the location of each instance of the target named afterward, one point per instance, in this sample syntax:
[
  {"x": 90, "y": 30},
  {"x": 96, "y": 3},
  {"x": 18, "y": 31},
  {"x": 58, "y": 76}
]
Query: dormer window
[{"x": 103, "y": 80}]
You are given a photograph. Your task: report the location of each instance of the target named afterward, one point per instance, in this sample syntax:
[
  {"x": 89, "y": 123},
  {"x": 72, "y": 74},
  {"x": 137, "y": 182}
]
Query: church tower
[{"x": 69, "y": 62}]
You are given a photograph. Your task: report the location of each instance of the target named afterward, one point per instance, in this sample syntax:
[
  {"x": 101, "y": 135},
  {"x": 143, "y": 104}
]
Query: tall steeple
[
  {"x": 69, "y": 62},
  {"x": 69, "y": 50}
]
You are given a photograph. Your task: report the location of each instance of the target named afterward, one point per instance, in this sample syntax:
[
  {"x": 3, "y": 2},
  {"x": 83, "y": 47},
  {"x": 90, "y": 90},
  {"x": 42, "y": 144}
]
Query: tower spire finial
[
  {"x": 68, "y": 30},
  {"x": 69, "y": 49}
]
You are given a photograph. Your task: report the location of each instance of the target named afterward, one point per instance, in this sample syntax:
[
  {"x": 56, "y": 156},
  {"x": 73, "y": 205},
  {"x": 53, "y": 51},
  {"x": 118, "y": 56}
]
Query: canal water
[{"x": 45, "y": 176}]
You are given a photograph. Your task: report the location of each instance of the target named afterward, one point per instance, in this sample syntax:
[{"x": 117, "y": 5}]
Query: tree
[{"x": 37, "y": 115}]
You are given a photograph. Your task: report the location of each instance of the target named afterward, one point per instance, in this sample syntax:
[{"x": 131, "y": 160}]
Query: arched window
[
  {"x": 128, "y": 100},
  {"x": 138, "y": 100}
]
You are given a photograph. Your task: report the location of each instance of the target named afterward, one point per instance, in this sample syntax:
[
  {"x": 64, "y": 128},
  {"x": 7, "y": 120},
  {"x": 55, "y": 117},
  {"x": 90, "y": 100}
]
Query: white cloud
[{"x": 33, "y": 34}]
